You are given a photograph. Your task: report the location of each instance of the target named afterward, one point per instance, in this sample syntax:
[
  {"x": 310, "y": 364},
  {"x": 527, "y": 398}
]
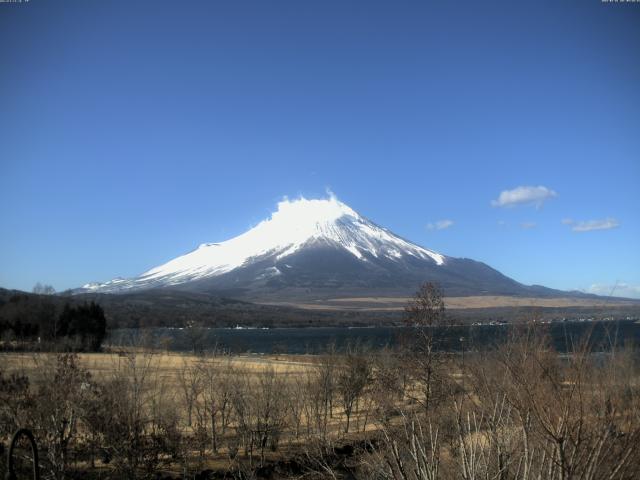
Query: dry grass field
[
  {"x": 101, "y": 365},
  {"x": 188, "y": 388},
  {"x": 171, "y": 370},
  {"x": 479, "y": 301}
]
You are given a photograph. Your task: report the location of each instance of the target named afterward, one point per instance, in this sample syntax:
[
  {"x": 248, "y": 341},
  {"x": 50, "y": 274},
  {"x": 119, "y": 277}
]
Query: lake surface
[{"x": 317, "y": 340}]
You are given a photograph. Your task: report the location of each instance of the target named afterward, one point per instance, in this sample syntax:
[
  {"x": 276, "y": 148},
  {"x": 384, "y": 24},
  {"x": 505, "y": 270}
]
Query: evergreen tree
[{"x": 85, "y": 322}]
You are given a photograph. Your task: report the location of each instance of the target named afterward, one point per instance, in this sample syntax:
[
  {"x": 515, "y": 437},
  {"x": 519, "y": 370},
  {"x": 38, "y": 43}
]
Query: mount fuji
[{"x": 314, "y": 249}]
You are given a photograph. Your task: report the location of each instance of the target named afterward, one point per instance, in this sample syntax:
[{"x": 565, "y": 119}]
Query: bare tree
[
  {"x": 196, "y": 336},
  {"x": 63, "y": 388},
  {"x": 534, "y": 414},
  {"x": 140, "y": 429},
  {"x": 353, "y": 376},
  {"x": 270, "y": 410},
  {"x": 410, "y": 451},
  {"x": 389, "y": 383},
  {"x": 190, "y": 382},
  {"x": 296, "y": 401},
  {"x": 16, "y": 403},
  {"x": 320, "y": 388},
  {"x": 425, "y": 312},
  {"x": 243, "y": 411},
  {"x": 216, "y": 373},
  {"x": 41, "y": 289}
]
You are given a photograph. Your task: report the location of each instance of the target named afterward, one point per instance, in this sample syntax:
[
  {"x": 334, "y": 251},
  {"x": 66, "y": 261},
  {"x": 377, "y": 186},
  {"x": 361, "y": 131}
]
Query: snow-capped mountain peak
[{"x": 295, "y": 225}]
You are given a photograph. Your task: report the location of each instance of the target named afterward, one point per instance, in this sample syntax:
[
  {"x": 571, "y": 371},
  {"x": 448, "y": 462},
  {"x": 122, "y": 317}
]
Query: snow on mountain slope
[{"x": 293, "y": 226}]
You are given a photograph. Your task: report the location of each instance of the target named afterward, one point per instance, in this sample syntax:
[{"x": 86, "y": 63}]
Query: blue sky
[{"x": 131, "y": 132}]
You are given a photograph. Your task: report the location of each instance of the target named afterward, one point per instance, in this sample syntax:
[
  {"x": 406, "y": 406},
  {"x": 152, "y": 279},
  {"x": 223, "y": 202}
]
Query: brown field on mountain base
[{"x": 470, "y": 302}]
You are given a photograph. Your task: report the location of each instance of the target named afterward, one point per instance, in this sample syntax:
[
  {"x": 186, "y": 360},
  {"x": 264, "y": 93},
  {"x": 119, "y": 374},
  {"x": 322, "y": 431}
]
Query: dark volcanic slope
[{"x": 327, "y": 271}]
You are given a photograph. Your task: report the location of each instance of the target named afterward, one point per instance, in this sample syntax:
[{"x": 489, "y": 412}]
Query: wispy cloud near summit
[{"x": 524, "y": 195}]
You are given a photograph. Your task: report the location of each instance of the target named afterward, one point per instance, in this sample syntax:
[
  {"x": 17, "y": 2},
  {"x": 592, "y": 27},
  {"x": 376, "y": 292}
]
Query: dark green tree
[{"x": 85, "y": 322}]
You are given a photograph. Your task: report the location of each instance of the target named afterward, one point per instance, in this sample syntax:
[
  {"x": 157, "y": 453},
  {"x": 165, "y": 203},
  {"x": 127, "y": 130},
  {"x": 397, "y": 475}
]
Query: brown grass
[
  {"x": 478, "y": 301},
  {"x": 167, "y": 364}
]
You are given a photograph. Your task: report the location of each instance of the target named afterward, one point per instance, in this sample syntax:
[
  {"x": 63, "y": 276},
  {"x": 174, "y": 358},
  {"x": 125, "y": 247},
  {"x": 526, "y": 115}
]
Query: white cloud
[
  {"x": 440, "y": 225},
  {"x": 528, "y": 225},
  {"x": 567, "y": 221},
  {"x": 590, "y": 225},
  {"x": 524, "y": 195},
  {"x": 617, "y": 290}
]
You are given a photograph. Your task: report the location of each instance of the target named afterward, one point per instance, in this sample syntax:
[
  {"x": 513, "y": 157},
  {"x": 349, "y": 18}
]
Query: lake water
[{"x": 316, "y": 340}]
